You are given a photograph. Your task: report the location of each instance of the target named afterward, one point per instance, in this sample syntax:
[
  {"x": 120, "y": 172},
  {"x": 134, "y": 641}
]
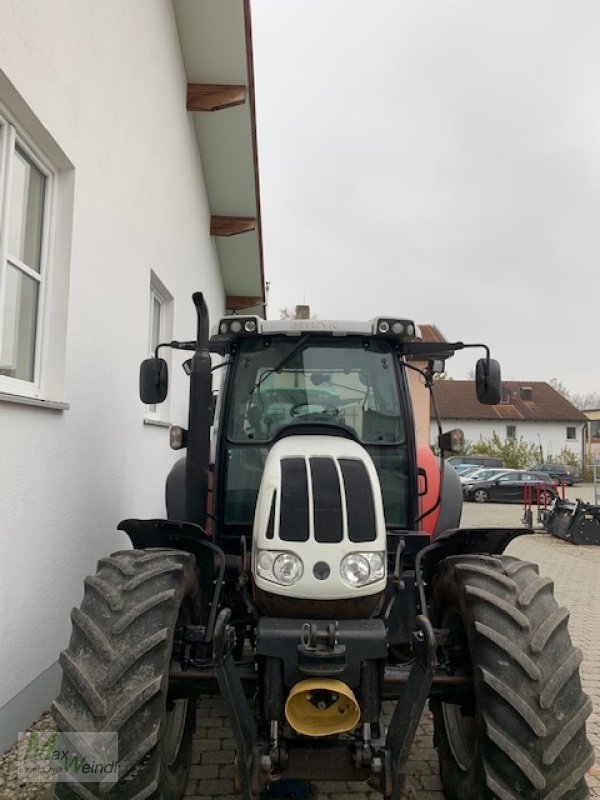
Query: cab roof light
[
  {"x": 397, "y": 328},
  {"x": 232, "y": 327}
]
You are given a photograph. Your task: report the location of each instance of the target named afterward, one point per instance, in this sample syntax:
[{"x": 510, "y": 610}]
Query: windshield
[
  {"x": 349, "y": 383},
  {"x": 279, "y": 382}
]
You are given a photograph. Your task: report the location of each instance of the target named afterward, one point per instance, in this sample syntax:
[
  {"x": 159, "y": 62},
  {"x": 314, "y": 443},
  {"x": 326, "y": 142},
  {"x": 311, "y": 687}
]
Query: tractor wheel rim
[
  {"x": 174, "y": 730},
  {"x": 461, "y": 734},
  {"x": 461, "y": 730}
]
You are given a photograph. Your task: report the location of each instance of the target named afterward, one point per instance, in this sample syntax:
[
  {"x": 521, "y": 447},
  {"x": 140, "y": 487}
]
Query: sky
[{"x": 437, "y": 160}]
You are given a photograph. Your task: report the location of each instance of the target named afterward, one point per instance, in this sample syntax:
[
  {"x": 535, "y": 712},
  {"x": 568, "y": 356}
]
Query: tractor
[{"x": 311, "y": 566}]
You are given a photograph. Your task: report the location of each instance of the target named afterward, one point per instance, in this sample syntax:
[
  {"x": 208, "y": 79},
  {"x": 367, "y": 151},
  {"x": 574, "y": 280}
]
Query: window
[
  {"x": 511, "y": 431},
  {"x": 36, "y": 207},
  {"x": 24, "y": 214},
  {"x": 595, "y": 429},
  {"x": 571, "y": 432},
  {"x": 335, "y": 381},
  {"x": 160, "y": 330}
]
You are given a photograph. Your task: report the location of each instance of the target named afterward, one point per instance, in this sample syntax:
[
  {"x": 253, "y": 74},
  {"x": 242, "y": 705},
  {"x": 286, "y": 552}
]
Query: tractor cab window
[{"x": 279, "y": 382}]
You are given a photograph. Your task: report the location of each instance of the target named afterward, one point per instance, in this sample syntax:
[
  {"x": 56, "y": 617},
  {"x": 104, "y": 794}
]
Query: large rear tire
[
  {"x": 116, "y": 672},
  {"x": 520, "y": 734}
]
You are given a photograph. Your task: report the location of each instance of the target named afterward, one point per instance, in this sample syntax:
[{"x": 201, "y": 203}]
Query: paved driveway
[{"x": 576, "y": 575}]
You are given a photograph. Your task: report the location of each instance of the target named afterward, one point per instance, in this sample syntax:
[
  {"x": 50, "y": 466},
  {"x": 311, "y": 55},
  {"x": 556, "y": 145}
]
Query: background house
[
  {"x": 128, "y": 180},
  {"x": 593, "y": 436},
  {"x": 532, "y": 410}
]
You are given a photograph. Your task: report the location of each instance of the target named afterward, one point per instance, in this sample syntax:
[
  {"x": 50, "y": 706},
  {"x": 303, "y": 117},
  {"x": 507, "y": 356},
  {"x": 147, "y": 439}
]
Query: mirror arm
[
  {"x": 175, "y": 345},
  {"x": 439, "y": 349}
]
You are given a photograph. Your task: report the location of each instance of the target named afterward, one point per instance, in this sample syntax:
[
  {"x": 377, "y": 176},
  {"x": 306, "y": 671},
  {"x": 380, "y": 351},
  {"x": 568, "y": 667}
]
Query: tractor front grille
[{"x": 336, "y": 485}]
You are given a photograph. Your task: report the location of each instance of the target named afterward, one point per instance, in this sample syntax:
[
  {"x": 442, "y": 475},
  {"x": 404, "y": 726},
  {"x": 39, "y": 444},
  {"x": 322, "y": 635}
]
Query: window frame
[
  {"x": 511, "y": 431},
  {"x": 572, "y": 438},
  {"x": 12, "y": 143},
  {"x": 21, "y": 129}
]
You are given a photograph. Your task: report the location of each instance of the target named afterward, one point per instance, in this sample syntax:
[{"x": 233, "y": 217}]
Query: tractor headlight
[
  {"x": 279, "y": 567},
  {"x": 360, "y": 569}
]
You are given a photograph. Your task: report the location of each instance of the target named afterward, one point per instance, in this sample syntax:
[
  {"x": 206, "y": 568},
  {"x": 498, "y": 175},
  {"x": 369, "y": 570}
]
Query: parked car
[
  {"x": 465, "y": 469},
  {"x": 481, "y": 474},
  {"x": 482, "y": 461},
  {"x": 509, "y": 487},
  {"x": 562, "y": 473}
]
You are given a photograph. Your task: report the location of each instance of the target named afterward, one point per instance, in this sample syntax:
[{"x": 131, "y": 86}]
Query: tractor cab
[{"x": 298, "y": 379}]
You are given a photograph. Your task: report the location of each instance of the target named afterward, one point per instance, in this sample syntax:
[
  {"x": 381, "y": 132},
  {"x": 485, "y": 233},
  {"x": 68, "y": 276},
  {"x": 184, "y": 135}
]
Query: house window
[
  {"x": 595, "y": 429},
  {"x": 571, "y": 432},
  {"x": 511, "y": 431},
  {"x": 160, "y": 330},
  {"x": 25, "y": 209},
  {"x": 36, "y": 218}
]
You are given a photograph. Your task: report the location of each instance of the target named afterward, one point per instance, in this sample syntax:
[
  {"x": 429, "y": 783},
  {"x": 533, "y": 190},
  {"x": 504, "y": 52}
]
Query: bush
[
  {"x": 565, "y": 456},
  {"x": 515, "y": 453}
]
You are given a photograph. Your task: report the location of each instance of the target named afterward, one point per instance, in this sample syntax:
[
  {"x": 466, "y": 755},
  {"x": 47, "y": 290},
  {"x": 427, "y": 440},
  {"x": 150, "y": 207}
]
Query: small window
[
  {"x": 160, "y": 330},
  {"x": 511, "y": 431},
  {"x": 571, "y": 432}
]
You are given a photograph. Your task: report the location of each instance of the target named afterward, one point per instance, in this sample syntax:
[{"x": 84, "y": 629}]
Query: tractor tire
[
  {"x": 520, "y": 733},
  {"x": 116, "y": 672}
]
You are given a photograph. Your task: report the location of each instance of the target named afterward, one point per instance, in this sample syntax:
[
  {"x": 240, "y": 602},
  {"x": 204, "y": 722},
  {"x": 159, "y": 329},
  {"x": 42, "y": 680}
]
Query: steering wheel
[{"x": 325, "y": 409}]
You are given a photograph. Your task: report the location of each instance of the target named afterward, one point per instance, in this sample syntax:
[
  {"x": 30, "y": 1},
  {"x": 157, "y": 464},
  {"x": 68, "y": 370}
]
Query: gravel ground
[
  {"x": 10, "y": 787},
  {"x": 576, "y": 573}
]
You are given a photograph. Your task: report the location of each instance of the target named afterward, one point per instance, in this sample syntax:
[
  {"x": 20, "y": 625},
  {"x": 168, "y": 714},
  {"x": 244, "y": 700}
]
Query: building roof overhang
[{"x": 216, "y": 45}]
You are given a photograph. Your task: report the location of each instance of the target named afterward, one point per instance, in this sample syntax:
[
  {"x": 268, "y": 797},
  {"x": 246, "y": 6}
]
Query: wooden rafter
[
  {"x": 242, "y": 302},
  {"x": 214, "y": 96},
  {"x": 231, "y": 226}
]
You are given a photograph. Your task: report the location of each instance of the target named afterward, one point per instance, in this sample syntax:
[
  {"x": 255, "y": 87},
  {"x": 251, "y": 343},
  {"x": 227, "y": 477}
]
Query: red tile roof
[
  {"x": 457, "y": 400},
  {"x": 429, "y": 333}
]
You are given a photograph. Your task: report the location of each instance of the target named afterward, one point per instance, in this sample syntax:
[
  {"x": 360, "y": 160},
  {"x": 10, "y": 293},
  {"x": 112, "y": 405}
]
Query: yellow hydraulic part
[{"x": 322, "y": 708}]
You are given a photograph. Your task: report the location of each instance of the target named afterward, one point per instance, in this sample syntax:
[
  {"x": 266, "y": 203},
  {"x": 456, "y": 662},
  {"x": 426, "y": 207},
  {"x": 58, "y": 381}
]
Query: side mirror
[
  {"x": 154, "y": 381},
  {"x": 452, "y": 441},
  {"x": 488, "y": 383}
]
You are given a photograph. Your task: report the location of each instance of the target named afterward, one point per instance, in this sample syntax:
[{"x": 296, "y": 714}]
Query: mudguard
[{"x": 438, "y": 512}]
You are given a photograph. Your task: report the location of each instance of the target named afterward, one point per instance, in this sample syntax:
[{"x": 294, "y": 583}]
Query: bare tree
[{"x": 580, "y": 401}]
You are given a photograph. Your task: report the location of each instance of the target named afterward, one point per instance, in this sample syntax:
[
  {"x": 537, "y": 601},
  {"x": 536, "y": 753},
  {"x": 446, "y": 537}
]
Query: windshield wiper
[{"x": 300, "y": 345}]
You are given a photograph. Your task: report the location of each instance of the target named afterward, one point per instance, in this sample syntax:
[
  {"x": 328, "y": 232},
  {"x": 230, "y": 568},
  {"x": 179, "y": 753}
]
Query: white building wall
[
  {"x": 552, "y": 436},
  {"x": 105, "y": 78}
]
